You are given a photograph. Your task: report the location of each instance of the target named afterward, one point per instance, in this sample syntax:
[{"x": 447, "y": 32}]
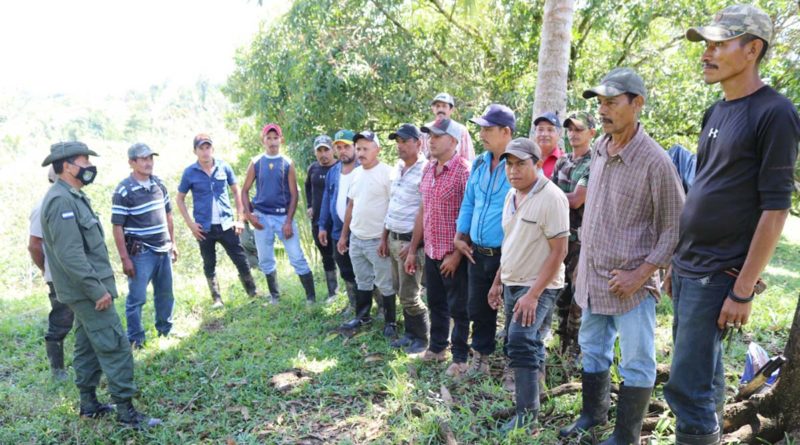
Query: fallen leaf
[
  {"x": 331, "y": 336},
  {"x": 230, "y": 441},
  {"x": 446, "y": 397},
  {"x": 372, "y": 358}
]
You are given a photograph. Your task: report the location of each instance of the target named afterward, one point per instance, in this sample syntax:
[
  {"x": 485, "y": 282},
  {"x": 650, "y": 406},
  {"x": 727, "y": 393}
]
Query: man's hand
[
  {"x": 667, "y": 284},
  {"x": 174, "y": 253},
  {"x": 322, "y": 236},
  {"x": 238, "y": 227},
  {"x": 341, "y": 246},
  {"x": 410, "y": 264},
  {"x": 734, "y": 314},
  {"x": 404, "y": 251},
  {"x": 525, "y": 310},
  {"x": 465, "y": 248},
  {"x": 127, "y": 267},
  {"x": 197, "y": 231},
  {"x": 253, "y": 218},
  {"x": 449, "y": 265},
  {"x": 495, "y": 297},
  {"x": 625, "y": 283},
  {"x": 383, "y": 248},
  {"x": 103, "y": 303},
  {"x": 287, "y": 229}
]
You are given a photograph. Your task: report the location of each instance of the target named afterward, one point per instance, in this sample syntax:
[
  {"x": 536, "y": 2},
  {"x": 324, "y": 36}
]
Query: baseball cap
[
  {"x": 345, "y": 136},
  {"x": 272, "y": 127},
  {"x": 63, "y": 150},
  {"x": 731, "y": 23},
  {"x": 368, "y": 135},
  {"x": 496, "y": 115},
  {"x": 524, "y": 149},
  {"x": 323, "y": 140},
  {"x": 581, "y": 120},
  {"x": 140, "y": 150},
  {"x": 201, "y": 139},
  {"x": 443, "y": 126},
  {"x": 618, "y": 81},
  {"x": 549, "y": 116},
  {"x": 444, "y": 97},
  {"x": 406, "y": 131}
]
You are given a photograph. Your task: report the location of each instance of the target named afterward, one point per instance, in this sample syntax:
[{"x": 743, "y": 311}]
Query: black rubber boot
[
  {"x": 692, "y": 439},
  {"x": 249, "y": 284},
  {"x": 407, "y": 337},
  {"x": 419, "y": 327},
  {"x": 91, "y": 408},
  {"x": 333, "y": 285},
  {"x": 213, "y": 286},
  {"x": 596, "y": 388},
  {"x": 527, "y": 398},
  {"x": 363, "y": 306},
  {"x": 55, "y": 354},
  {"x": 128, "y": 415},
  {"x": 274, "y": 290},
  {"x": 631, "y": 409},
  {"x": 307, "y": 281},
  {"x": 389, "y": 316}
]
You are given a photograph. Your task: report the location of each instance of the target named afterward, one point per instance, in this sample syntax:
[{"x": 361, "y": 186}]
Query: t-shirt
[
  {"x": 370, "y": 193},
  {"x": 36, "y": 231},
  {"x": 142, "y": 212},
  {"x": 315, "y": 187},
  {"x": 745, "y": 165},
  {"x": 345, "y": 180}
]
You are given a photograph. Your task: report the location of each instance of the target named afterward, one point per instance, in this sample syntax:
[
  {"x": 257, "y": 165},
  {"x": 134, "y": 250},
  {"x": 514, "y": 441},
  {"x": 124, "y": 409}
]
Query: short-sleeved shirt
[
  {"x": 745, "y": 165},
  {"x": 141, "y": 210},
  {"x": 633, "y": 203},
  {"x": 568, "y": 175},
  {"x": 405, "y": 199},
  {"x": 209, "y": 193},
  {"x": 542, "y": 215},
  {"x": 370, "y": 194},
  {"x": 36, "y": 231},
  {"x": 442, "y": 194}
]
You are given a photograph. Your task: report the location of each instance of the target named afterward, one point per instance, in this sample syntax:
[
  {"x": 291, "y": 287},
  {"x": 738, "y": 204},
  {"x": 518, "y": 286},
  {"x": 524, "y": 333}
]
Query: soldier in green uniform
[{"x": 84, "y": 281}]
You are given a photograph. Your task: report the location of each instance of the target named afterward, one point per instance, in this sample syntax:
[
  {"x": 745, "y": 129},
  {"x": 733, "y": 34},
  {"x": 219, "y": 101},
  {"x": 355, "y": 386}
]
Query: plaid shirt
[
  {"x": 633, "y": 204},
  {"x": 441, "y": 198},
  {"x": 568, "y": 175}
]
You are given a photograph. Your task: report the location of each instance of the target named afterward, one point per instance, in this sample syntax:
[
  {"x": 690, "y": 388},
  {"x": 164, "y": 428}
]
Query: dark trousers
[
  {"x": 328, "y": 263},
  {"x": 233, "y": 247},
  {"x": 59, "y": 320},
  {"x": 343, "y": 261},
  {"x": 483, "y": 317},
  {"x": 447, "y": 298}
]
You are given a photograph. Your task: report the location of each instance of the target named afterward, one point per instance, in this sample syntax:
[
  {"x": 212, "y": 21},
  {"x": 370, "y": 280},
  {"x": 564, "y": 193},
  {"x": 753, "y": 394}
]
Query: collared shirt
[
  {"x": 633, "y": 203},
  {"x": 465, "y": 149},
  {"x": 568, "y": 175},
  {"x": 405, "y": 197},
  {"x": 549, "y": 163},
  {"x": 481, "y": 211},
  {"x": 542, "y": 215},
  {"x": 142, "y": 210},
  {"x": 442, "y": 194},
  {"x": 209, "y": 193}
]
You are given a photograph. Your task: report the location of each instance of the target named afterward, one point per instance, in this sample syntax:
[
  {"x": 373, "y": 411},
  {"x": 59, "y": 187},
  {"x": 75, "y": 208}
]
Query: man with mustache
[
  {"x": 629, "y": 231},
  {"x": 442, "y": 107},
  {"x": 734, "y": 214},
  {"x": 548, "y": 132}
]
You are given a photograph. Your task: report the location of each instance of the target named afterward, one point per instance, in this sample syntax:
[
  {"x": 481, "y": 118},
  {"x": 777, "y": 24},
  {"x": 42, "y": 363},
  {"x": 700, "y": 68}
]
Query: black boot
[
  {"x": 407, "y": 337},
  {"x": 55, "y": 354},
  {"x": 596, "y": 388},
  {"x": 249, "y": 284},
  {"x": 390, "y": 316},
  {"x": 333, "y": 285},
  {"x": 363, "y": 306},
  {"x": 274, "y": 290},
  {"x": 307, "y": 281},
  {"x": 128, "y": 415},
  {"x": 527, "y": 398},
  {"x": 631, "y": 409},
  {"x": 350, "y": 287},
  {"x": 417, "y": 326},
  {"x": 91, "y": 408},
  {"x": 692, "y": 439},
  {"x": 213, "y": 286}
]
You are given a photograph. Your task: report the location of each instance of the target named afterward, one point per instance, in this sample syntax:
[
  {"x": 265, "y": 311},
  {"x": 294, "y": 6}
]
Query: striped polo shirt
[
  {"x": 141, "y": 210},
  {"x": 405, "y": 197}
]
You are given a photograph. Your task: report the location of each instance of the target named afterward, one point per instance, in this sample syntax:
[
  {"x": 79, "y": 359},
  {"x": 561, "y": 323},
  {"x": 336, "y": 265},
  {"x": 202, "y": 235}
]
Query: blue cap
[
  {"x": 406, "y": 131},
  {"x": 549, "y": 116},
  {"x": 368, "y": 135},
  {"x": 496, "y": 115}
]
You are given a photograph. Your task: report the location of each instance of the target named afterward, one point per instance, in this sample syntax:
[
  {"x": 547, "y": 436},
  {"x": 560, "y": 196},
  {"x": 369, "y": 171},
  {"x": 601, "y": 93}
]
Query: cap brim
[
  {"x": 344, "y": 141},
  {"x": 482, "y": 122},
  {"x": 203, "y": 141},
  {"x": 602, "y": 90},
  {"x": 519, "y": 154},
  {"x": 322, "y": 145},
  {"x": 580, "y": 125},
  {"x": 710, "y": 33},
  {"x": 50, "y": 158},
  {"x": 433, "y": 130}
]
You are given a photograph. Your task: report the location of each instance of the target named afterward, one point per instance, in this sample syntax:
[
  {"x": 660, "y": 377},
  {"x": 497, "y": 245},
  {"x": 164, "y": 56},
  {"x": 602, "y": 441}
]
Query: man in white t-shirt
[{"x": 366, "y": 210}]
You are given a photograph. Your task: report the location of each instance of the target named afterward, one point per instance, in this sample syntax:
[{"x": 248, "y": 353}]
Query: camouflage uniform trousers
[{"x": 569, "y": 313}]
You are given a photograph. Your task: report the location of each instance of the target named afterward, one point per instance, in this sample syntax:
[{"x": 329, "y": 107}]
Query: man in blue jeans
[
  {"x": 142, "y": 218},
  {"x": 734, "y": 214},
  {"x": 275, "y": 203}
]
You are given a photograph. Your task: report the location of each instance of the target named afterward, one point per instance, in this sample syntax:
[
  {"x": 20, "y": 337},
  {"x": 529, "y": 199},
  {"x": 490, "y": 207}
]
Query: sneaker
[
  {"x": 217, "y": 303},
  {"x": 430, "y": 356},
  {"x": 479, "y": 364},
  {"x": 456, "y": 370},
  {"x": 508, "y": 379},
  {"x": 273, "y": 300}
]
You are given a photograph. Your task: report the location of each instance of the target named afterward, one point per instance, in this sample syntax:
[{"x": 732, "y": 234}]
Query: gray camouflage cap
[
  {"x": 731, "y": 23},
  {"x": 618, "y": 81}
]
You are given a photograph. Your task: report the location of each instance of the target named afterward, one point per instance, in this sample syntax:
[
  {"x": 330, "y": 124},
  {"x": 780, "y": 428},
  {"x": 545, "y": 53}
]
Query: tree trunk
[
  {"x": 787, "y": 389},
  {"x": 551, "y": 83}
]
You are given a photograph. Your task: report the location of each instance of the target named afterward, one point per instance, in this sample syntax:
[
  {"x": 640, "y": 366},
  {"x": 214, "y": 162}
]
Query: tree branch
[
  {"x": 411, "y": 37},
  {"x": 466, "y": 29}
]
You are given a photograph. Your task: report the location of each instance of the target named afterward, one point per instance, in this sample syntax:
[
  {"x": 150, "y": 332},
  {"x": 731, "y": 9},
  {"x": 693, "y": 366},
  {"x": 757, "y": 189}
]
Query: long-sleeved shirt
[
  {"x": 633, "y": 204},
  {"x": 481, "y": 213},
  {"x": 329, "y": 220},
  {"x": 315, "y": 189}
]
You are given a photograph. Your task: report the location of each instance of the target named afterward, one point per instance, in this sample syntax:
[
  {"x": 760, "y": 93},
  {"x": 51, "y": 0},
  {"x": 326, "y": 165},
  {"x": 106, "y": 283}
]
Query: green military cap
[
  {"x": 731, "y": 23},
  {"x": 581, "y": 120},
  {"x": 63, "y": 150},
  {"x": 618, "y": 81}
]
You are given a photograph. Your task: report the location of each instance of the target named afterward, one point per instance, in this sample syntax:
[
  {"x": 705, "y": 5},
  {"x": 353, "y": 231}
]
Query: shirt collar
[
  {"x": 631, "y": 149},
  {"x": 197, "y": 165}
]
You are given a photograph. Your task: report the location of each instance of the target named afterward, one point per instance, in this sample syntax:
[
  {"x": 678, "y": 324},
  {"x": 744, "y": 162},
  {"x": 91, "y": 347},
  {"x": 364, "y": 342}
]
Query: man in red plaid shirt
[{"x": 443, "y": 182}]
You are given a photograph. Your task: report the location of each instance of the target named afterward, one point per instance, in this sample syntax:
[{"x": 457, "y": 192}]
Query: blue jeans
[
  {"x": 265, "y": 244},
  {"x": 636, "y": 329},
  {"x": 155, "y": 267},
  {"x": 525, "y": 346},
  {"x": 697, "y": 378}
]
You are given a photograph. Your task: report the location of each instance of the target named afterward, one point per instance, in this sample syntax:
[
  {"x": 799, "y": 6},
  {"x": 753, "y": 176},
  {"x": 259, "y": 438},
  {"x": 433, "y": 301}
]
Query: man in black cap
[
  {"x": 84, "y": 281},
  {"x": 442, "y": 106}
]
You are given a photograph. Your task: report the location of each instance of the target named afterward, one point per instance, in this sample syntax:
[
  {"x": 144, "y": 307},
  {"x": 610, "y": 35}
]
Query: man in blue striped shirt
[{"x": 142, "y": 218}]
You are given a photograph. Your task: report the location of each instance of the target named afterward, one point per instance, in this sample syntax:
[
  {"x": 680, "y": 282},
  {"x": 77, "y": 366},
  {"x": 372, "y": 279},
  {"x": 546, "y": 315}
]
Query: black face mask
[{"x": 86, "y": 174}]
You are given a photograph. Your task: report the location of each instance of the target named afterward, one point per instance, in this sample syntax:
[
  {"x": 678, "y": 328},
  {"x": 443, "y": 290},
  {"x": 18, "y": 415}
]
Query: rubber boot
[
  {"x": 631, "y": 408},
  {"x": 596, "y": 397},
  {"x": 55, "y": 354},
  {"x": 407, "y": 337},
  {"x": 389, "y": 316},
  {"x": 307, "y": 281},
  {"x": 527, "y": 399},
  {"x": 274, "y": 290},
  {"x": 378, "y": 298},
  {"x": 692, "y": 439},
  {"x": 213, "y": 286},
  {"x": 333, "y": 285},
  {"x": 91, "y": 408},
  {"x": 249, "y": 284},
  {"x": 419, "y": 326},
  {"x": 128, "y": 415},
  {"x": 350, "y": 287},
  {"x": 363, "y": 307}
]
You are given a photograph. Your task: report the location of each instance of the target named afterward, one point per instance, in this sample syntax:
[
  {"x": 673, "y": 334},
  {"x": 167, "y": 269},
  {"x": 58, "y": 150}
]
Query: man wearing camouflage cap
[
  {"x": 734, "y": 214},
  {"x": 84, "y": 281}
]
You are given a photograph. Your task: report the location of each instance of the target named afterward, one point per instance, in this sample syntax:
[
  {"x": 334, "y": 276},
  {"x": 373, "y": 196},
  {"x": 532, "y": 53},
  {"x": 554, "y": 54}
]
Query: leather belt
[
  {"x": 487, "y": 251},
  {"x": 400, "y": 236}
]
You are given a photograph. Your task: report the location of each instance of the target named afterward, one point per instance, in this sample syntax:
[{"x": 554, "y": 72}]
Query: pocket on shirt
[
  {"x": 92, "y": 233},
  {"x": 532, "y": 227}
]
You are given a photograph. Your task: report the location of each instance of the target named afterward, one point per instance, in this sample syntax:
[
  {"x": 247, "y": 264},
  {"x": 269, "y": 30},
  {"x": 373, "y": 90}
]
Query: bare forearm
[
  {"x": 119, "y": 241},
  {"x": 237, "y": 198},
  {"x": 180, "y": 201},
  {"x": 765, "y": 239},
  {"x": 36, "y": 250}
]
